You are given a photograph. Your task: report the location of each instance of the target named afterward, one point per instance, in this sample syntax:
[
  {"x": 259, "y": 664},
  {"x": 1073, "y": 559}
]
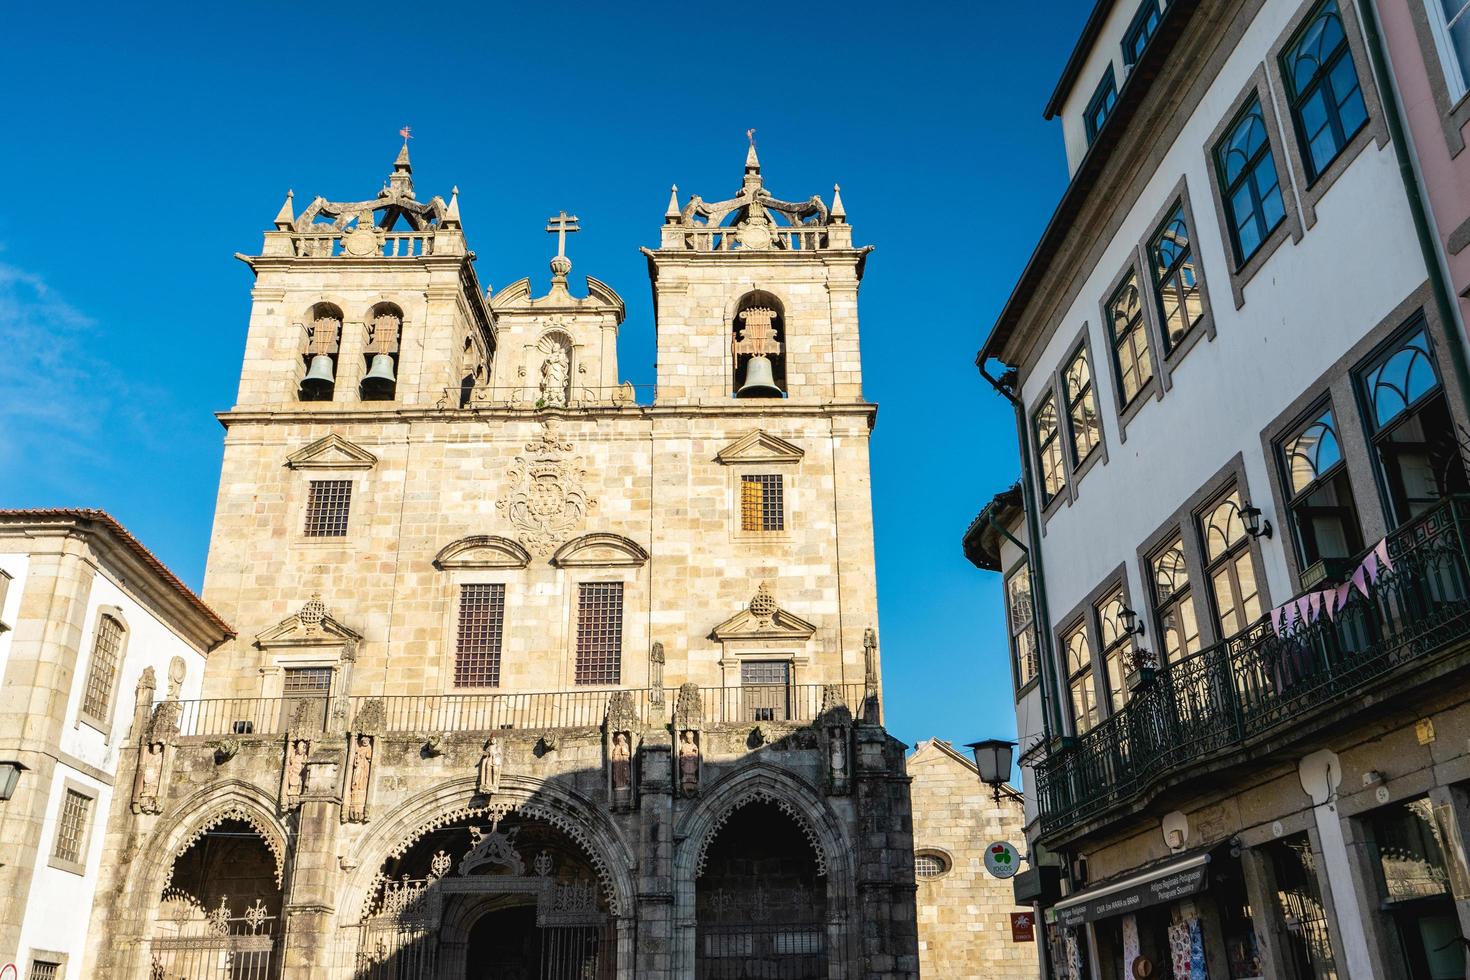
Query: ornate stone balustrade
[
  {"x": 531, "y": 397},
  {"x": 362, "y": 244},
  {"x": 488, "y": 712}
]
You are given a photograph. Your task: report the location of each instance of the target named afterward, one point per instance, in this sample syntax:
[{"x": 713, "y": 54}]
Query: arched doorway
[
  {"x": 219, "y": 914},
  {"x": 761, "y": 901},
  {"x": 497, "y": 897}
]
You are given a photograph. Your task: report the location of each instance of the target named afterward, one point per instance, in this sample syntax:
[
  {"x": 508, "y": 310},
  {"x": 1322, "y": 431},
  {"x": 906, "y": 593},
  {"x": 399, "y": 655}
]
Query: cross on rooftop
[
  {"x": 562, "y": 225},
  {"x": 406, "y": 133}
]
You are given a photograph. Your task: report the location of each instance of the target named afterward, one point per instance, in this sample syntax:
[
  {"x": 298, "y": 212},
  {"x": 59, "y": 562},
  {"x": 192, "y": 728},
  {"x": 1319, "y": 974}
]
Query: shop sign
[
  {"x": 1023, "y": 927},
  {"x": 1168, "y": 887},
  {"x": 1002, "y": 860}
]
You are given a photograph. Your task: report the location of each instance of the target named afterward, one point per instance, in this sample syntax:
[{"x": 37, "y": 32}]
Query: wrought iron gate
[{"x": 194, "y": 945}]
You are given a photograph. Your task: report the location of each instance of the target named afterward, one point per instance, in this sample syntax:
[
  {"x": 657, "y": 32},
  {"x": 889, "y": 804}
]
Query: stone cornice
[{"x": 356, "y": 416}]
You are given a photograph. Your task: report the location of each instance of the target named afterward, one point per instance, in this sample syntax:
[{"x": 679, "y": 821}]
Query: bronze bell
[
  {"x": 760, "y": 380},
  {"x": 380, "y": 380},
  {"x": 318, "y": 381}
]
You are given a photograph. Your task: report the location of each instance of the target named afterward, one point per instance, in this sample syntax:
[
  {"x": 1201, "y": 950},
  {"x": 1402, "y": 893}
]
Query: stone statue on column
[{"x": 359, "y": 773}]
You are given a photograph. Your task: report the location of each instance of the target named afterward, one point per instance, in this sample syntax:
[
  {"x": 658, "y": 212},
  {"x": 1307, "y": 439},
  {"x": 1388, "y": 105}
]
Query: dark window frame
[
  {"x": 1229, "y": 560},
  {"x": 1087, "y": 671},
  {"x": 1294, "y": 498},
  {"x": 1044, "y": 446},
  {"x": 1086, "y": 394},
  {"x": 1322, "y": 79},
  {"x": 1023, "y": 680},
  {"x": 1106, "y": 92},
  {"x": 1172, "y": 277},
  {"x": 1146, "y": 22},
  {"x": 1178, "y": 600},
  {"x": 1261, "y": 157},
  {"x": 328, "y": 508},
  {"x": 1377, "y": 433},
  {"x": 1137, "y": 329}
]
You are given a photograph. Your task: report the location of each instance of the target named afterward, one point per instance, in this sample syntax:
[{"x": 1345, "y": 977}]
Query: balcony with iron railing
[
  {"x": 1237, "y": 702},
  {"x": 795, "y": 704}
]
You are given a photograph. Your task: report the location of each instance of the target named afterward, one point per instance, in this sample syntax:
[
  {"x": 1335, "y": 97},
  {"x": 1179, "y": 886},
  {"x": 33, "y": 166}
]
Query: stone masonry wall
[{"x": 964, "y": 914}]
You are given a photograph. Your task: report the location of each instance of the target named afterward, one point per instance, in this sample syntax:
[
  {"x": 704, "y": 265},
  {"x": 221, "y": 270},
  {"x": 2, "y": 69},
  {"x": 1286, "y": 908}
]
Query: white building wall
[
  {"x": 1309, "y": 303},
  {"x": 1106, "y": 50},
  {"x": 60, "y": 900}
]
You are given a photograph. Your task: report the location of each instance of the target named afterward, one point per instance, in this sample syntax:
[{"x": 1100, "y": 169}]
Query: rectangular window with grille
[
  {"x": 600, "y": 633},
  {"x": 71, "y": 829},
  {"x": 481, "y": 626},
  {"x": 765, "y": 689},
  {"x": 327, "y": 505},
  {"x": 42, "y": 970},
  {"x": 762, "y": 502},
  {"x": 106, "y": 649}
]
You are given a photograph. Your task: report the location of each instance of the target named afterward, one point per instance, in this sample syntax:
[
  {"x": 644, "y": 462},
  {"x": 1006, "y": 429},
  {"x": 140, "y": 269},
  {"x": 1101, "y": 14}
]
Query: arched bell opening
[
  {"x": 220, "y": 913},
  {"x": 761, "y": 901},
  {"x": 380, "y": 353},
  {"x": 759, "y": 347},
  {"x": 323, "y": 343},
  {"x": 498, "y": 895}
]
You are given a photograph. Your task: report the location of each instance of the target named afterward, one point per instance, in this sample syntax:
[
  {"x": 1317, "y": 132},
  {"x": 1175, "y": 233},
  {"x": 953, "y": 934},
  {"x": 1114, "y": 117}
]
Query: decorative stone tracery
[
  {"x": 234, "y": 811},
  {"x": 762, "y": 795}
]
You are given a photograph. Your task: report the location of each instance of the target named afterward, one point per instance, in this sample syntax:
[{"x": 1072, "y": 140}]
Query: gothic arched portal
[
  {"x": 761, "y": 901},
  {"x": 499, "y": 895}
]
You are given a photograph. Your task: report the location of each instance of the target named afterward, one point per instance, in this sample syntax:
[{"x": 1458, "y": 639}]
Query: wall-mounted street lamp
[
  {"x": 1255, "y": 526},
  {"x": 993, "y": 759},
  {"x": 9, "y": 776},
  {"x": 1131, "y": 622}
]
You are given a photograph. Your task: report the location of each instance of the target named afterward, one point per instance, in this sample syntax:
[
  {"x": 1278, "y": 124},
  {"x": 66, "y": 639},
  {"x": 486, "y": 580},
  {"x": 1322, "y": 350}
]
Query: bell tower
[
  {"x": 366, "y": 306},
  {"x": 756, "y": 298}
]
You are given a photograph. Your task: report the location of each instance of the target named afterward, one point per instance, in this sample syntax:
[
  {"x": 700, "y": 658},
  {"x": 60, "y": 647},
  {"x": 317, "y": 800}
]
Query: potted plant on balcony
[{"x": 1142, "y": 666}]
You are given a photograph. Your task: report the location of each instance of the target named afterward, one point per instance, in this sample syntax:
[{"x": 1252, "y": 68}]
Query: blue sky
[{"x": 144, "y": 146}]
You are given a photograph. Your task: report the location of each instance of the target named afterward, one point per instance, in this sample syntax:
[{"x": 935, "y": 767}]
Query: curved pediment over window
[
  {"x": 482, "y": 551},
  {"x": 600, "y": 550}
]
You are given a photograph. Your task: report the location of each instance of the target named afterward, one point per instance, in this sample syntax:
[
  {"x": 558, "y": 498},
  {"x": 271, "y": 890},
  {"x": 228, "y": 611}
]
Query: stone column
[
  {"x": 1451, "y": 814},
  {"x": 653, "y": 957},
  {"x": 1320, "y": 776},
  {"x": 312, "y": 876},
  {"x": 887, "y": 920}
]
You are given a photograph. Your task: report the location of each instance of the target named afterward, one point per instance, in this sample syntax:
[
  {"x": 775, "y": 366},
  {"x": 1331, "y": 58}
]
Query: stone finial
[
  {"x": 400, "y": 181},
  {"x": 672, "y": 216},
  {"x": 763, "y": 604},
  {"x": 752, "y": 162},
  {"x": 838, "y": 212},
  {"x": 286, "y": 217},
  {"x": 312, "y": 613},
  {"x": 451, "y": 213}
]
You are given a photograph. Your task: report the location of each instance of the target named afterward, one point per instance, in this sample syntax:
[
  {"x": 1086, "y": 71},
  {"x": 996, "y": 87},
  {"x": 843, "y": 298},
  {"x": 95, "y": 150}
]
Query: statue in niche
[
  {"x": 837, "y": 758},
  {"x": 357, "y": 780},
  {"x": 491, "y": 761},
  {"x": 297, "y": 752},
  {"x": 688, "y": 762},
  {"x": 149, "y": 777},
  {"x": 556, "y": 375},
  {"x": 621, "y": 758}
]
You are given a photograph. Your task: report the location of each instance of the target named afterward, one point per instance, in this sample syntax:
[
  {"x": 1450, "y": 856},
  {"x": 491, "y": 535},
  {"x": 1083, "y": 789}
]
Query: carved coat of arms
[{"x": 545, "y": 500}]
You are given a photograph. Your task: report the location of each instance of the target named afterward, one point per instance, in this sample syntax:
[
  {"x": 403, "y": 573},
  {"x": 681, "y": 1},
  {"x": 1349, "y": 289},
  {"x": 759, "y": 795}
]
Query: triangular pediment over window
[
  {"x": 311, "y": 626},
  {"x": 760, "y": 447},
  {"x": 482, "y": 551},
  {"x": 763, "y": 619},
  {"x": 599, "y": 549},
  {"x": 332, "y": 453}
]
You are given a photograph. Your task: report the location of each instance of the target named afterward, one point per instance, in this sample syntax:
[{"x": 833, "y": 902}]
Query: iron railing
[
  {"x": 479, "y": 712},
  {"x": 1258, "y": 684}
]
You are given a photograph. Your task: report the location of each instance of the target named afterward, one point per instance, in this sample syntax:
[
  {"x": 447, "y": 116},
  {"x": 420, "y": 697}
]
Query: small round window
[{"x": 930, "y": 864}]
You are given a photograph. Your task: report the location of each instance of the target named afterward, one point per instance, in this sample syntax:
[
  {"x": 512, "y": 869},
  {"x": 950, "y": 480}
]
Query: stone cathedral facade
[{"x": 536, "y": 674}]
